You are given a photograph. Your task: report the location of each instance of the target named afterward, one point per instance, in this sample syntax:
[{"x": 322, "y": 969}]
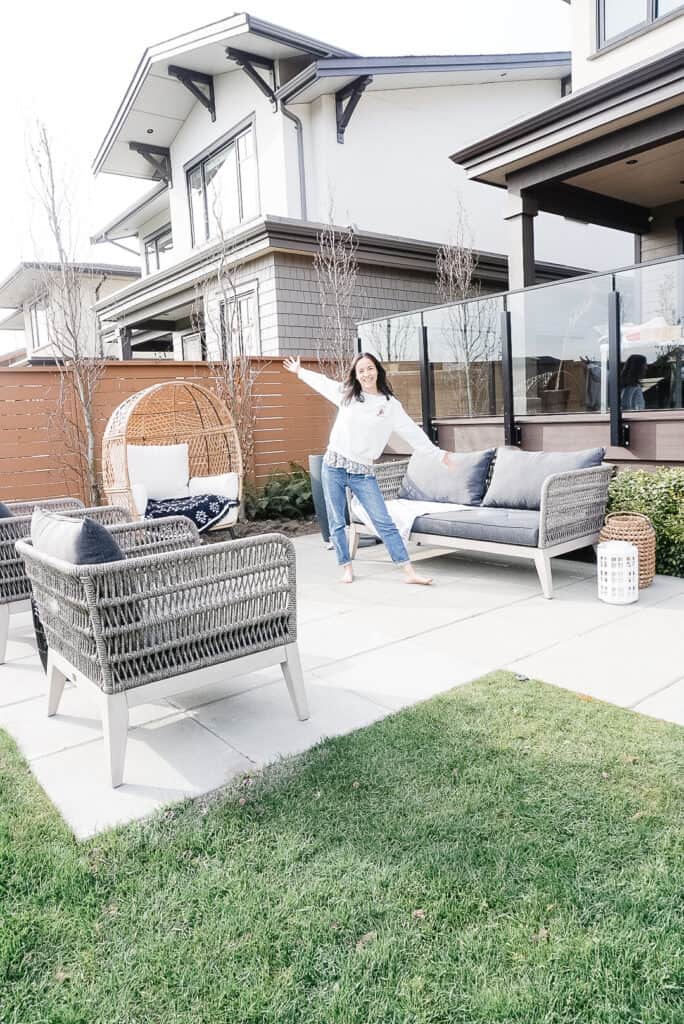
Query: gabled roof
[
  {"x": 328, "y": 75},
  {"x": 27, "y": 279},
  {"x": 156, "y": 105}
]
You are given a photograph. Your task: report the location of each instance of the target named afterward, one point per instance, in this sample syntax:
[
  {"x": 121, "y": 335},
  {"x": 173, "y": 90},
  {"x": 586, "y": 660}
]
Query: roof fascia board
[
  {"x": 306, "y": 44},
  {"x": 583, "y": 102},
  {"x": 137, "y": 207}
]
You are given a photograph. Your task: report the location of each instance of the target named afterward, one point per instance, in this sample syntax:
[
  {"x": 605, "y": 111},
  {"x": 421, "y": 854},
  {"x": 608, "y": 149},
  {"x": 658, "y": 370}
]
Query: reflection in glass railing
[
  {"x": 652, "y": 336},
  {"x": 556, "y": 342},
  {"x": 464, "y": 347},
  {"x": 396, "y": 342}
]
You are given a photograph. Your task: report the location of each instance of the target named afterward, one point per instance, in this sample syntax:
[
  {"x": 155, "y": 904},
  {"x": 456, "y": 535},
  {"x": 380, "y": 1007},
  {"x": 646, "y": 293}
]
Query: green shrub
[
  {"x": 660, "y": 496},
  {"x": 284, "y": 496}
]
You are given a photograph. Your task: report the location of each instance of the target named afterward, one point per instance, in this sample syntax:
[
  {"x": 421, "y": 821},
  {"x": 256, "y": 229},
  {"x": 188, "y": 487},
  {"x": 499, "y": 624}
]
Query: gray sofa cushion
[
  {"x": 426, "y": 479},
  {"x": 501, "y": 525},
  {"x": 518, "y": 476}
]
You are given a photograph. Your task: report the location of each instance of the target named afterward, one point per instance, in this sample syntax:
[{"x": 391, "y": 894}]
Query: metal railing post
[
  {"x": 619, "y": 430},
  {"x": 512, "y": 433},
  {"x": 426, "y": 384}
]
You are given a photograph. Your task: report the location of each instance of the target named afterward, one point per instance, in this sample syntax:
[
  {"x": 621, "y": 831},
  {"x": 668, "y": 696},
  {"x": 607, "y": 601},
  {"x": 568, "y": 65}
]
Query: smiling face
[{"x": 367, "y": 376}]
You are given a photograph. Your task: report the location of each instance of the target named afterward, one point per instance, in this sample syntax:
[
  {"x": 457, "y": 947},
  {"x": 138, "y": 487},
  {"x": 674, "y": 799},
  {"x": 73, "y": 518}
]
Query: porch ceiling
[{"x": 650, "y": 178}]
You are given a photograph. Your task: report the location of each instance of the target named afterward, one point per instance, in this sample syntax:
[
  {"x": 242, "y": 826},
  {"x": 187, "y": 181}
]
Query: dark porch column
[{"x": 520, "y": 217}]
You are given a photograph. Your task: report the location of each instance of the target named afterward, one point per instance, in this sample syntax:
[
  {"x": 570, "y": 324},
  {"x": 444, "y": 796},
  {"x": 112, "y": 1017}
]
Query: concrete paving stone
[
  {"x": 217, "y": 687},
  {"x": 622, "y": 662},
  {"x": 166, "y": 761},
  {"x": 668, "y": 704},
  {"x": 263, "y": 726},
  {"x": 78, "y": 721},
  {"x": 21, "y": 680},
  {"x": 400, "y": 675}
]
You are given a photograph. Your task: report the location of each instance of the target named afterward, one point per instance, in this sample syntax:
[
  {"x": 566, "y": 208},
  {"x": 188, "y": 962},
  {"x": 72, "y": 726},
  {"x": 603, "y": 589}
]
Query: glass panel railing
[
  {"x": 559, "y": 337},
  {"x": 396, "y": 342},
  {"x": 464, "y": 348},
  {"x": 652, "y": 336}
]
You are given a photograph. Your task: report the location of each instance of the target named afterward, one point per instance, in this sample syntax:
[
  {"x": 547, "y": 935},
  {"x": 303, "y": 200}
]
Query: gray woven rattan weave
[
  {"x": 25, "y": 508},
  {"x": 571, "y": 514},
  {"x": 14, "y": 584},
  {"x": 148, "y": 626}
]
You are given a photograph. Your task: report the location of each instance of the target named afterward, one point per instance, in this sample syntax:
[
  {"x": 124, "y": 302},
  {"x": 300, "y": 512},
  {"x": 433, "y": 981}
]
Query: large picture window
[
  {"x": 618, "y": 18},
  {"x": 223, "y": 188}
]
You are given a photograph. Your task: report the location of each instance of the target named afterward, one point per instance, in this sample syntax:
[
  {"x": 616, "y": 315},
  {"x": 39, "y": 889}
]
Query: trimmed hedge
[{"x": 660, "y": 496}]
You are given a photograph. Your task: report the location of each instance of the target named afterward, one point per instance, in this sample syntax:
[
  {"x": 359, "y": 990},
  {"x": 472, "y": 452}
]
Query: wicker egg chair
[{"x": 174, "y": 412}]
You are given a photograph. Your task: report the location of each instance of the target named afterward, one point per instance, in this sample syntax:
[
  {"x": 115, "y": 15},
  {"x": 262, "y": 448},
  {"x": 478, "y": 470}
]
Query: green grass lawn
[{"x": 506, "y": 853}]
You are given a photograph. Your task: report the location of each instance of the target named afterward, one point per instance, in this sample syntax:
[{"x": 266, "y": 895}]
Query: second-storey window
[
  {"x": 618, "y": 18},
  {"x": 158, "y": 249},
  {"x": 223, "y": 188}
]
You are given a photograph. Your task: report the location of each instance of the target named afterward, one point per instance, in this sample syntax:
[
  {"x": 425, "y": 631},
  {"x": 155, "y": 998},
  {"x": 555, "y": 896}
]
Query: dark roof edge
[
  {"x": 301, "y": 237},
  {"x": 576, "y": 102}
]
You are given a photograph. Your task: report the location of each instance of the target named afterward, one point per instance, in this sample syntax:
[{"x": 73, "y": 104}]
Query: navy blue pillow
[
  {"x": 96, "y": 545},
  {"x": 4, "y": 511}
]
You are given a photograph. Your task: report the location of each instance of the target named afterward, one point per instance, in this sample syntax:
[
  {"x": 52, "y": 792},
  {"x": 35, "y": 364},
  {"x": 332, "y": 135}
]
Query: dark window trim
[
  {"x": 154, "y": 236},
  {"x": 653, "y": 20},
  {"x": 207, "y": 153},
  {"x": 223, "y": 140},
  {"x": 679, "y": 227}
]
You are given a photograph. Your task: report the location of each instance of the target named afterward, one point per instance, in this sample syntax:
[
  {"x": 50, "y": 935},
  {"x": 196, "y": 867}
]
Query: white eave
[
  {"x": 328, "y": 75},
  {"x": 156, "y": 105},
  {"x": 27, "y": 280},
  {"x": 128, "y": 223}
]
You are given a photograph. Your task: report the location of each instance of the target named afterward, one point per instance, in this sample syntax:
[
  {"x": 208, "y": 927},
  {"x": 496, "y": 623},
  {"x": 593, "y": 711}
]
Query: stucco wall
[{"x": 589, "y": 67}]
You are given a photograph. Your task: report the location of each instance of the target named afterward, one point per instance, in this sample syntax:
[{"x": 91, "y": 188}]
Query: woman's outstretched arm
[{"x": 330, "y": 389}]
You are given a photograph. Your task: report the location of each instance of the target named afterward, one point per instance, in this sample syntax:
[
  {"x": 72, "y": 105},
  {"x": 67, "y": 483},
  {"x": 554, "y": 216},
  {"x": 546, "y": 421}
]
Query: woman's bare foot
[
  {"x": 413, "y": 577},
  {"x": 347, "y": 574}
]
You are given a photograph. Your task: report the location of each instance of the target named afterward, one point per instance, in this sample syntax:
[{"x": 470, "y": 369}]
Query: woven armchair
[
  {"x": 14, "y": 585},
  {"x": 147, "y": 627},
  {"x": 25, "y": 508}
]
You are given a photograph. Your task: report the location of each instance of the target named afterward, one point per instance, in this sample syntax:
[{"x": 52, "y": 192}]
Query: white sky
[{"x": 69, "y": 63}]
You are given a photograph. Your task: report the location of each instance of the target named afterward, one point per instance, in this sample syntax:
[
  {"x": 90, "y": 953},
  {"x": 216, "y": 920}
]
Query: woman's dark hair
[
  {"x": 633, "y": 371},
  {"x": 352, "y": 388}
]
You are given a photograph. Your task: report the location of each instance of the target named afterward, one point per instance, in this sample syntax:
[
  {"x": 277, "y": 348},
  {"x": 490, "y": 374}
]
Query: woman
[
  {"x": 368, "y": 414},
  {"x": 632, "y": 393}
]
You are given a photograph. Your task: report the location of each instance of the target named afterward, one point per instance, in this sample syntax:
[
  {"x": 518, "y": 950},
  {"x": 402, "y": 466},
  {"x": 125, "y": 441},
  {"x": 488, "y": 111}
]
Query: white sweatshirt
[{"x": 362, "y": 429}]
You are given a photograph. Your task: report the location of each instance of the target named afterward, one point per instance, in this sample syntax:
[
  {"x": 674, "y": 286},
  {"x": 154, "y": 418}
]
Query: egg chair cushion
[{"x": 163, "y": 469}]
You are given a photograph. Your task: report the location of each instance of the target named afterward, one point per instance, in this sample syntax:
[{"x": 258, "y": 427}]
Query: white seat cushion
[
  {"x": 225, "y": 484},
  {"x": 162, "y": 469}
]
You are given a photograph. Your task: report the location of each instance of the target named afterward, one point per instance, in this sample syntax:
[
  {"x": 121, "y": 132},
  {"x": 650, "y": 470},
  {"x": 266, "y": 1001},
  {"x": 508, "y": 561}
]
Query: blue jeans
[{"x": 335, "y": 483}]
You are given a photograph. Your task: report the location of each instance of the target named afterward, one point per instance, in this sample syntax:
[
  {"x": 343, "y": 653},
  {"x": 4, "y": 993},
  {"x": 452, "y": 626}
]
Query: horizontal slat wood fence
[{"x": 291, "y": 421}]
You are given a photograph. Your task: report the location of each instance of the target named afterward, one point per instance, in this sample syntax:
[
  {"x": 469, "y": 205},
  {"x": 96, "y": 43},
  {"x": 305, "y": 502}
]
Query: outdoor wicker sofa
[
  {"x": 570, "y": 516},
  {"x": 15, "y": 590},
  {"x": 135, "y": 630}
]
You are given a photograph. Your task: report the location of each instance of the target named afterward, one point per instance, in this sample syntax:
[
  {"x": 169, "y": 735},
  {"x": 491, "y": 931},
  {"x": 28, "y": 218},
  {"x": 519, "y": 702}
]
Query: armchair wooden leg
[
  {"x": 292, "y": 670},
  {"x": 543, "y": 564},
  {"x": 4, "y": 630},
  {"x": 56, "y": 680},
  {"x": 115, "y": 727}
]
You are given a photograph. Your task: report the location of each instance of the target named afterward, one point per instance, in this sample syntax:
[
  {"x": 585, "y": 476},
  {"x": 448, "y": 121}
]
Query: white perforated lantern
[{"x": 618, "y": 572}]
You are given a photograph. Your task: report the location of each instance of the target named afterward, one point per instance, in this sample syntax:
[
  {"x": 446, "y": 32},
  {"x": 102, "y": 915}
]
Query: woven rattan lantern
[
  {"x": 637, "y": 529},
  {"x": 174, "y": 412},
  {"x": 618, "y": 572}
]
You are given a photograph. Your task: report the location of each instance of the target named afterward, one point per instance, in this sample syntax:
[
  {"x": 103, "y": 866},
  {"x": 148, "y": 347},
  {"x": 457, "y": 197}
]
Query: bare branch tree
[
  {"x": 469, "y": 334},
  {"x": 337, "y": 272},
  {"x": 220, "y": 316},
  {"x": 71, "y": 326}
]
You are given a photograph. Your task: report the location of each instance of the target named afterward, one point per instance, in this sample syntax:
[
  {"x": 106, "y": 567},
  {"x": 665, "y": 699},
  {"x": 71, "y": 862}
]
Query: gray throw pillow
[
  {"x": 79, "y": 541},
  {"x": 5, "y": 512},
  {"x": 427, "y": 479},
  {"x": 518, "y": 476}
]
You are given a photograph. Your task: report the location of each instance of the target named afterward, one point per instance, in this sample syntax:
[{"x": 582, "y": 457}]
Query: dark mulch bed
[{"x": 255, "y": 527}]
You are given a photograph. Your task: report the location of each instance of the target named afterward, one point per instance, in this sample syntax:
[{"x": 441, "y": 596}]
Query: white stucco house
[
  {"x": 28, "y": 323},
  {"x": 253, "y": 136}
]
